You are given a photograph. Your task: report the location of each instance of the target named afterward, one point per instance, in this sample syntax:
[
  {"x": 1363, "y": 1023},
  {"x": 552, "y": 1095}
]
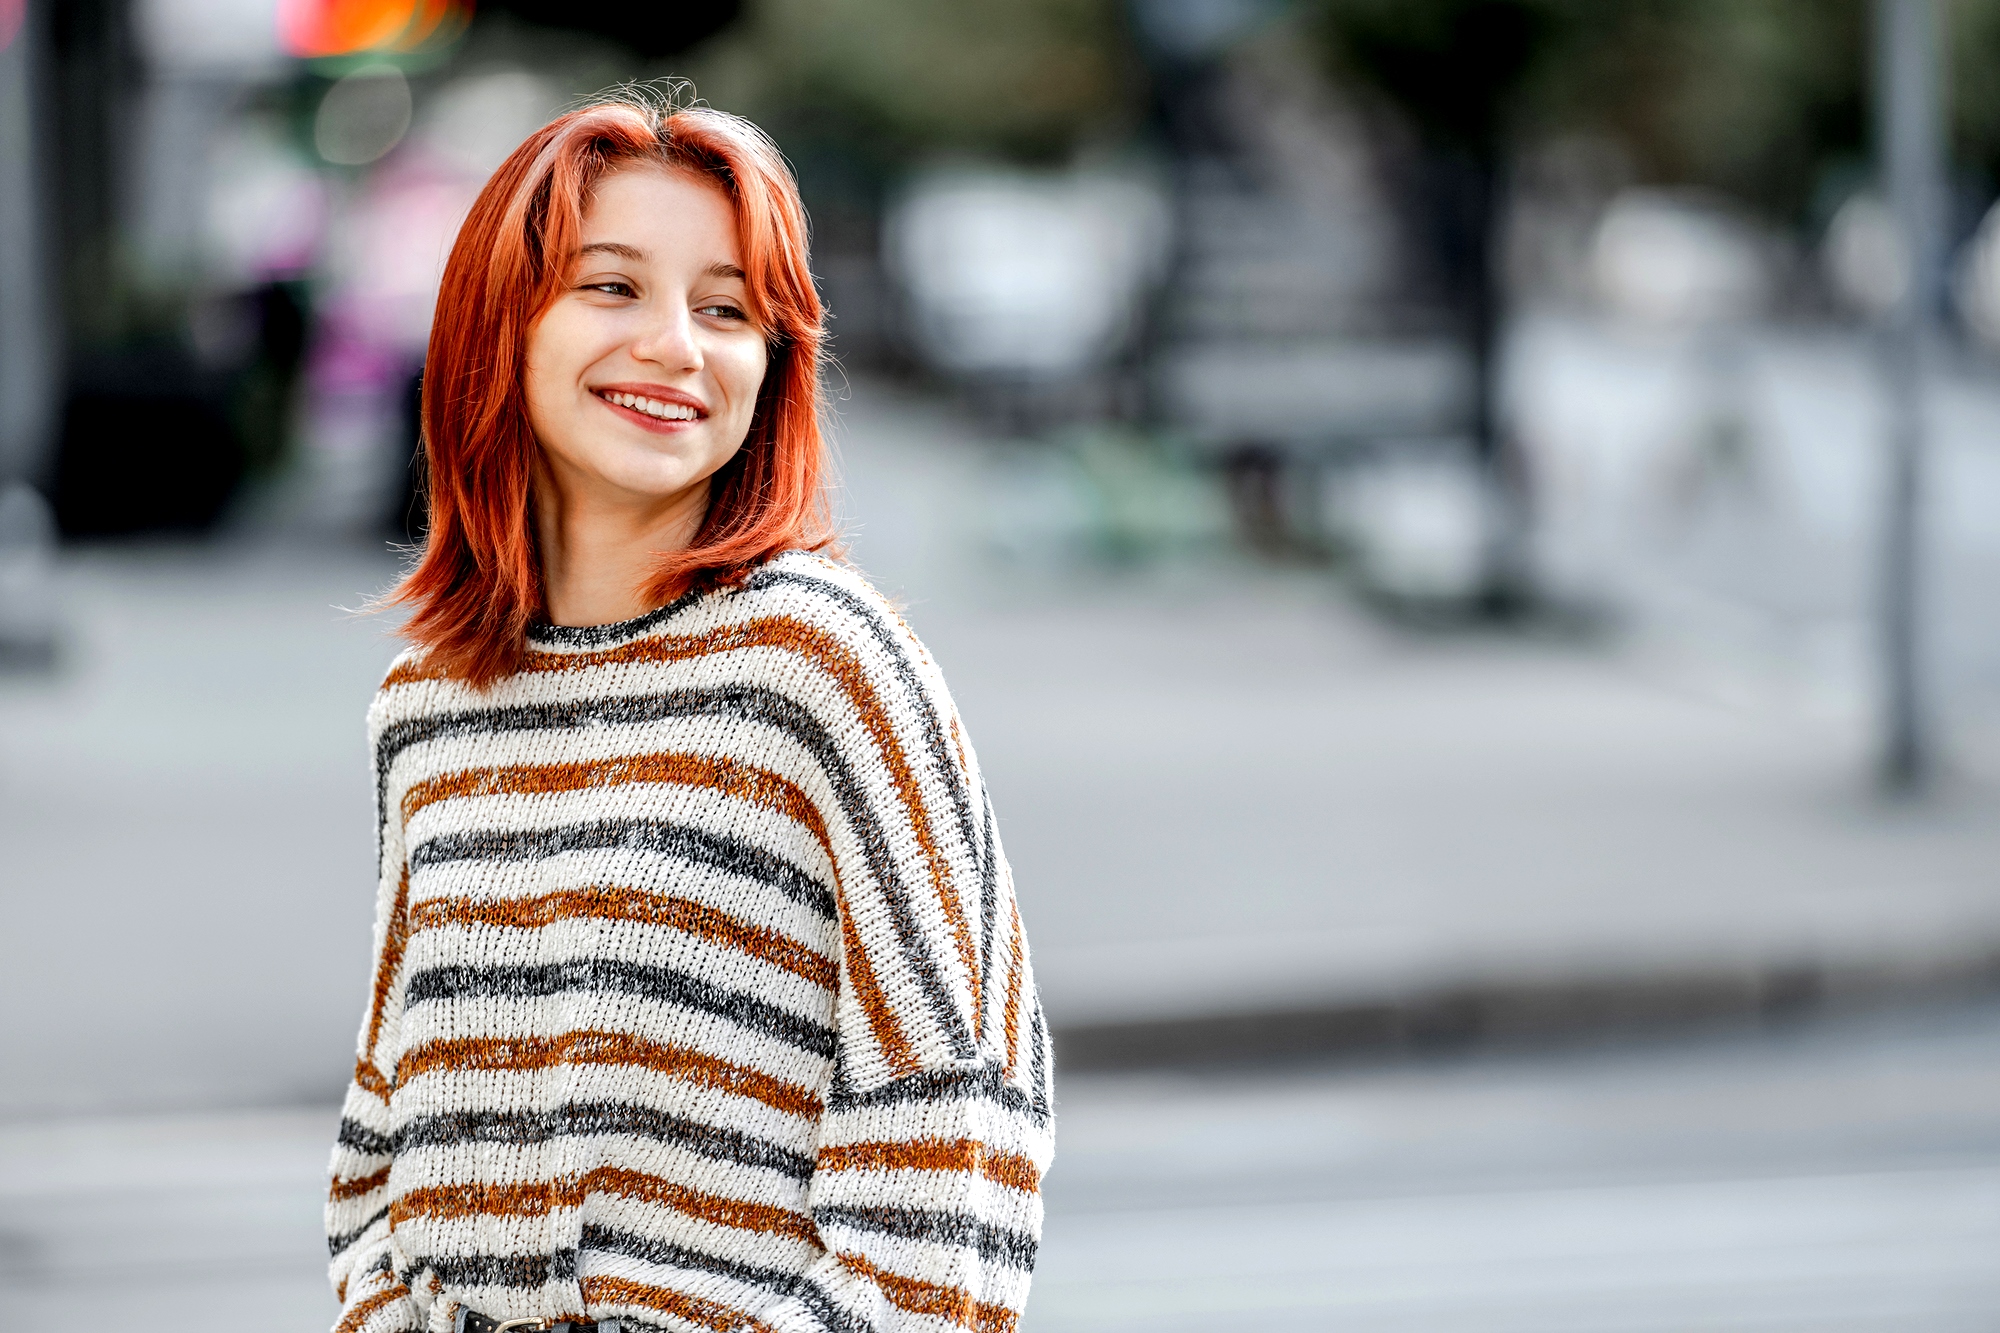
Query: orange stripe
[
  {"x": 415, "y": 669},
  {"x": 888, "y": 1032},
  {"x": 619, "y": 904},
  {"x": 602, "y": 1291},
  {"x": 958, "y": 740},
  {"x": 1011, "y": 1016},
  {"x": 831, "y": 656},
  {"x": 716, "y": 1208},
  {"x": 1009, "y": 1169},
  {"x": 932, "y": 1298},
  {"x": 745, "y": 782},
  {"x": 369, "y": 1079},
  {"x": 395, "y": 938},
  {"x": 358, "y": 1316},
  {"x": 591, "y": 1047},
  {"x": 535, "y": 1199},
  {"x": 355, "y": 1187}
]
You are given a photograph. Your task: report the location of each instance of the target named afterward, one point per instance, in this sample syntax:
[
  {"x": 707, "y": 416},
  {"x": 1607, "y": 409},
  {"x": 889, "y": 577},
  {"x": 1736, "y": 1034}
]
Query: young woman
[{"x": 700, "y": 996}]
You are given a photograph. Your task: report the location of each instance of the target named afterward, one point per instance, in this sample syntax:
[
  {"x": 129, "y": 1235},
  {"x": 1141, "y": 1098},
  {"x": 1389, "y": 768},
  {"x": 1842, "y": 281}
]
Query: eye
[
  {"x": 721, "y": 311},
  {"x": 611, "y": 288}
]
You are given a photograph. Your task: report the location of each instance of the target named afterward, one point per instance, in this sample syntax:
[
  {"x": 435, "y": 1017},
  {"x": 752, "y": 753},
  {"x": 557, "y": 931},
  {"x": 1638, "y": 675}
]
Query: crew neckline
[
  {"x": 594, "y": 636},
  {"x": 597, "y": 636}
]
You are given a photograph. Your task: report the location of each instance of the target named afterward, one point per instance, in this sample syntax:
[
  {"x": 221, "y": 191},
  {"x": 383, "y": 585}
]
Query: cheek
[
  {"x": 542, "y": 367},
  {"x": 561, "y": 345},
  {"x": 743, "y": 371}
]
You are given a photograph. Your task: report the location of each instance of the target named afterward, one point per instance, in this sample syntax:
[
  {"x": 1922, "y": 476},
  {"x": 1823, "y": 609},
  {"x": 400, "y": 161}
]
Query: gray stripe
[
  {"x": 665, "y": 984},
  {"x": 648, "y": 835},
  {"x": 587, "y": 1119},
  {"x": 996, "y": 1244},
  {"x": 1043, "y": 1076},
  {"x": 499, "y": 1270},
  {"x": 830, "y": 1313},
  {"x": 987, "y": 1083},
  {"x": 989, "y": 910},
  {"x": 358, "y": 1138},
  {"x": 337, "y": 1245}
]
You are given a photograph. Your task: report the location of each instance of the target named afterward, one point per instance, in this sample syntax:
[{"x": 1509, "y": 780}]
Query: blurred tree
[
  {"x": 897, "y": 78},
  {"x": 1973, "y": 41},
  {"x": 652, "y": 30},
  {"x": 1752, "y": 97},
  {"x": 1755, "y": 98},
  {"x": 1458, "y": 71}
]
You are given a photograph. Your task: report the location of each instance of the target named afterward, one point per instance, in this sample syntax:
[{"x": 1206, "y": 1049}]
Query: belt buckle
[
  {"x": 468, "y": 1321},
  {"x": 546, "y": 1323}
]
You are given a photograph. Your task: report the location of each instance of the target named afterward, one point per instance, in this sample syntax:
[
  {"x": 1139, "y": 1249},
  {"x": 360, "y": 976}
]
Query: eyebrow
[
  {"x": 638, "y": 256},
  {"x": 619, "y": 248}
]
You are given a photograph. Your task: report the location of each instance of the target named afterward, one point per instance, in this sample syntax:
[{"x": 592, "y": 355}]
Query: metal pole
[{"x": 1910, "y": 148}]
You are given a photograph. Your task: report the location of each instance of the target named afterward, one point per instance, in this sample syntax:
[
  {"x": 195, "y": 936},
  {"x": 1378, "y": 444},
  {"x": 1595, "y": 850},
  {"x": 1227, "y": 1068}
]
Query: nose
[{"x": 669, "y": 338}]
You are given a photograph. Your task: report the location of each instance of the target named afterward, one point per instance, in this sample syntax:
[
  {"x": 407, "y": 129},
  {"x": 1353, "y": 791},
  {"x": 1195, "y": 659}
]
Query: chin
[{"x": 659, "y": 476}]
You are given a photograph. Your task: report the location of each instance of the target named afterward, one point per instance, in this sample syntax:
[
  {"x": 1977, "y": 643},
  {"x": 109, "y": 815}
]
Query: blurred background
[{"x": 1465, "y": 532}]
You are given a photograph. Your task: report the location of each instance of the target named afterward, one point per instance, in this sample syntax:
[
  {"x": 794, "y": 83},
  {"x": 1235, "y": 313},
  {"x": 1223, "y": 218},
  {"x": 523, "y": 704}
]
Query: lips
[{"x": 658, "y": 404}]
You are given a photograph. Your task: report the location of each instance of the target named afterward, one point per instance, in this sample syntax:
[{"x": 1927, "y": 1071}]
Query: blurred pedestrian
[{"x": 700, "y": 994}]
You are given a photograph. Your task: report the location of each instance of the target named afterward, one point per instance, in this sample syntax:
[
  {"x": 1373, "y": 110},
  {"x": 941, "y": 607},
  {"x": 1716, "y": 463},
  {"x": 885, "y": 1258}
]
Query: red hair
[{"x": 478, "y": 585}]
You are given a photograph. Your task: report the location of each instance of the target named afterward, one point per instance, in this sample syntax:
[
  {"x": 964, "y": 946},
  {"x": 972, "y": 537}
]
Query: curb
[{"x": 1527, "y": 1012}]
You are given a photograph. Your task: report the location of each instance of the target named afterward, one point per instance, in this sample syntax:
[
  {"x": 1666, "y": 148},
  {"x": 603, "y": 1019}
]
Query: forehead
[{"x": 661, "y": 210}]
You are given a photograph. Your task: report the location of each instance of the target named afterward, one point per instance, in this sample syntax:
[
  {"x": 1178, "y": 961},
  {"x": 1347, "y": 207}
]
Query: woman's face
[{"x": 642, "y": 377}]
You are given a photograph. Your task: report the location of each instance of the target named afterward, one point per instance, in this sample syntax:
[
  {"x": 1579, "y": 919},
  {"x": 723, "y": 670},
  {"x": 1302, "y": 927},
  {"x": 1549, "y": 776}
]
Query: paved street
[
  {"x": 1838, "y": 1177},
  {"x": 1841, "y": 1176}
]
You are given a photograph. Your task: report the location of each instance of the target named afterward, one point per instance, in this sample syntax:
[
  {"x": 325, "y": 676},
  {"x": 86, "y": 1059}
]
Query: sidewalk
[
  {"x": 1445, "y": 837},
  {"x": 1246, "y": 818}
]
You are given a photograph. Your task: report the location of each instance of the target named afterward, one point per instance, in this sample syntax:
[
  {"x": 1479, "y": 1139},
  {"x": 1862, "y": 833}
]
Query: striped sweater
[{"x": 700, "y": 995}]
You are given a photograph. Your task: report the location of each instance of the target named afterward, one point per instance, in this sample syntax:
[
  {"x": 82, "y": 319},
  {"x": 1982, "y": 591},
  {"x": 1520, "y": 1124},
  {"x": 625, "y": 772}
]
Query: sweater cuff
[{"x": 378, "y": 1302}]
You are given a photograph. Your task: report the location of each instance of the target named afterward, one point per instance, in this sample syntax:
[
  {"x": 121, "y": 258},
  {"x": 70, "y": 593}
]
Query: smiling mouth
[{"x": 653, "y": 407}]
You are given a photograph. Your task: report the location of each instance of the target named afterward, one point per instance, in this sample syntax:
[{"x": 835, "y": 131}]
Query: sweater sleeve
[
  {"x": 936, "y": 1128},
  {"x": 362, "y": 1269}
]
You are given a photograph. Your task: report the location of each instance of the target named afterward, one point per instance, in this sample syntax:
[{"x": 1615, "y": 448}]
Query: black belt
[{"x": 471, "y": 1321}]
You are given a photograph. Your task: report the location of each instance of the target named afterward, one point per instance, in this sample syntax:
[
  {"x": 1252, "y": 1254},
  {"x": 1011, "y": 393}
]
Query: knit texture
[{"x": 700, "y": 998}]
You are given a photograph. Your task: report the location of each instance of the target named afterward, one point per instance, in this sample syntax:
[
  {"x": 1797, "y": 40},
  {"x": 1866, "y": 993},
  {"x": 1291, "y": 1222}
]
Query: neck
[{"x": 598, "y": 554}]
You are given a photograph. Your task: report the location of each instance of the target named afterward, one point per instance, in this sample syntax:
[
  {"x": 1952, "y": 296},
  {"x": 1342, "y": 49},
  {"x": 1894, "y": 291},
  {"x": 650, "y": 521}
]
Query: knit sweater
[{"x": 700, "y": 997}]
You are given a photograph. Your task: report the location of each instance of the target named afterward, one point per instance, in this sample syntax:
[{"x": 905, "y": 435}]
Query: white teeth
[{"x": 652, "y": 407}]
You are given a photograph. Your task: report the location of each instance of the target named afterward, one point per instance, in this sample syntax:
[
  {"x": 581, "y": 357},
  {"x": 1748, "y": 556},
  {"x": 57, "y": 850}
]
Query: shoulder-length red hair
[{"x": 477, "y": 587}]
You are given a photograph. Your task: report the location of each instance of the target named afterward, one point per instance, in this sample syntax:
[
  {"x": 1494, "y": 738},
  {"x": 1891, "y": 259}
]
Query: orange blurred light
[
  {"x": 430, "y": 17},
  {"x": 314, "y": 28}
]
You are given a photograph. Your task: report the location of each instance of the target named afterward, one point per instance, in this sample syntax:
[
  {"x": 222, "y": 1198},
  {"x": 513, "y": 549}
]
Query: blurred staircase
[{"x": 1294, "y": 321}]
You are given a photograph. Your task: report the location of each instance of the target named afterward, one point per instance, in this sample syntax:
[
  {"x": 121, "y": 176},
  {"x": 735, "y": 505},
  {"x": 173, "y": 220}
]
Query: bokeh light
[
  {"x": 318, "y": 28},
  {"x": 363, "y": 116}
]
